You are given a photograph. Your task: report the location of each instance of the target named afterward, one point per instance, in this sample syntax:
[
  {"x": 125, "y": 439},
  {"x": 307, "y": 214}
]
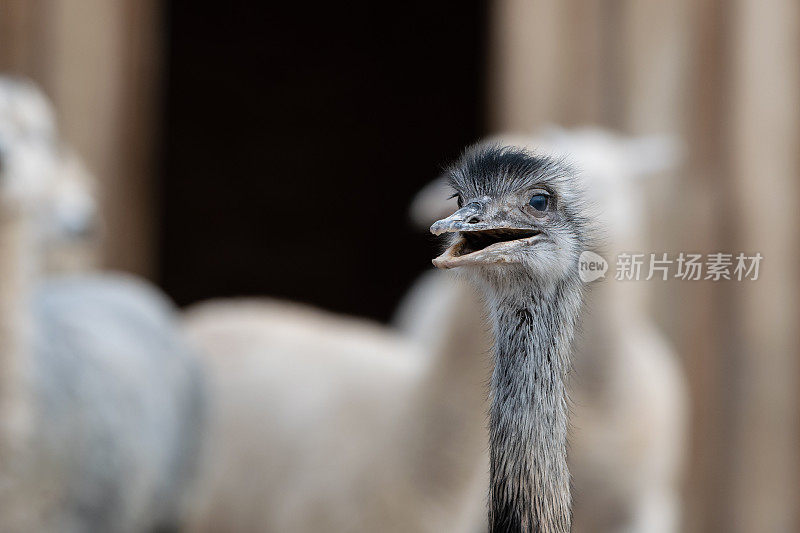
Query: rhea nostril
[{"x": 474, "y": 208}]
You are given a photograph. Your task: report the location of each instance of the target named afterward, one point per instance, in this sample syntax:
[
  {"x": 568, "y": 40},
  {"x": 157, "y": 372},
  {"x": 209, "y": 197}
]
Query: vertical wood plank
[
  {"x": 525, "y": 74},
  {"x": 765, "y": 167},
  {"x": 104, "y": 85},
  {"x": 704, "y": 329}
]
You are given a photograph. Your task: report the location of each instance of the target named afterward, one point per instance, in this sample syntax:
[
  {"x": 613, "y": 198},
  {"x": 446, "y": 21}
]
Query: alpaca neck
[
  {"x": 530, "y": 486},
  {"x": 16, "y": 277},
  {"x": 625, "y": 300},
  {"x": 449, "y": 403}
]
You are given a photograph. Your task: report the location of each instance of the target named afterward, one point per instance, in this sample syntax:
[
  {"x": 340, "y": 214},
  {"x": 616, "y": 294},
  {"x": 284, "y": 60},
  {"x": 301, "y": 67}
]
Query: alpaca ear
[
  {"x": 432, "y": 203},
  {"x": 651, "y": 154}
]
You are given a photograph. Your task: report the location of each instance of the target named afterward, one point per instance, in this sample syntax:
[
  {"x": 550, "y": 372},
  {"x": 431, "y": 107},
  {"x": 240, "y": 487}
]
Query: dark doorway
[{"x": 295, "y": 136}]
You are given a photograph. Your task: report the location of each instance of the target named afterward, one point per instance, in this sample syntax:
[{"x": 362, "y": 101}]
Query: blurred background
[{"x": 274, "y": 150}]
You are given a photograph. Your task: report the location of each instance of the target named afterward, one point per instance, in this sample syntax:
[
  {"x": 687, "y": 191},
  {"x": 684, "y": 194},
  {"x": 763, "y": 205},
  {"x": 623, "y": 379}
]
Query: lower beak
[
  {"x": 490, "y": 245},
  {"x": 452, "y": 257}
]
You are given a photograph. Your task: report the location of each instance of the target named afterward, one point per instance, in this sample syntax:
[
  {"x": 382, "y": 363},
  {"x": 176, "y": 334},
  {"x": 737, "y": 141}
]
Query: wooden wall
[
  {"x": 724, "y": 77},
  {"x": 98, "y": 60}
]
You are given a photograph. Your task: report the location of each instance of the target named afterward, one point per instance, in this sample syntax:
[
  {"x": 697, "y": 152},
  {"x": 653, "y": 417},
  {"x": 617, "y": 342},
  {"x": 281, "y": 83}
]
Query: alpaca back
[
  {"x": 118, "y": 406},
  {"x": 312, "y": 425}
]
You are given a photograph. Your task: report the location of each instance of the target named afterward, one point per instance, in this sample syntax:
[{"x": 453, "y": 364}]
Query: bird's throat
[{"x": 530, "y": 489}]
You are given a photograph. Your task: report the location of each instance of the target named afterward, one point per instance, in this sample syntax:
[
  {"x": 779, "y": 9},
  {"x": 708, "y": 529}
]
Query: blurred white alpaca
[
  {"x": 100, "y": 400},
  {"x": 629, "y": 394},
  {"x": 67, "y": 220},
  {"x": 325, "y": 423}
]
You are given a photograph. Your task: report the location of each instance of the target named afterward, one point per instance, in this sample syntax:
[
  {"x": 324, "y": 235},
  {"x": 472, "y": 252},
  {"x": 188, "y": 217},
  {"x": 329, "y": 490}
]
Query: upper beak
[{"x": 468, "y": 218}]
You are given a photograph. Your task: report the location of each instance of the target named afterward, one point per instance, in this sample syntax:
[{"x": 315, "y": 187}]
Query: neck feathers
[
  {"x": 16, "y": 271},
  {"x": 530, "y": 486}
]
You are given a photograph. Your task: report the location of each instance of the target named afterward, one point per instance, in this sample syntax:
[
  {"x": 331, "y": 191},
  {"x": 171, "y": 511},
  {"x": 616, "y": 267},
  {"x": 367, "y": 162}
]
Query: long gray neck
[{"x": 530, "y": 484}]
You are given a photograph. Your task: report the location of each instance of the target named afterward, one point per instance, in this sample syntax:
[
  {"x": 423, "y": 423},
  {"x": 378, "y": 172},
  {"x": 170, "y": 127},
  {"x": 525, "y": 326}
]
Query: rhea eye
[
  {"x": 458, "y": 200},
  {"x": 539, "y": 202}
]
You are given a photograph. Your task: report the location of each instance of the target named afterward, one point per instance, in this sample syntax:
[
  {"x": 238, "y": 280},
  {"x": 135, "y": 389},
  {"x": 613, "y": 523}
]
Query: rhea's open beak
[{"x": 479, "y": 238}]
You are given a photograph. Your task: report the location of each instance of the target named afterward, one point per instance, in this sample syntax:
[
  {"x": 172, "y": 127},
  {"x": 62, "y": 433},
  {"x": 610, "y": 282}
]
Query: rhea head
[{"x": 520, "y": 215}]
